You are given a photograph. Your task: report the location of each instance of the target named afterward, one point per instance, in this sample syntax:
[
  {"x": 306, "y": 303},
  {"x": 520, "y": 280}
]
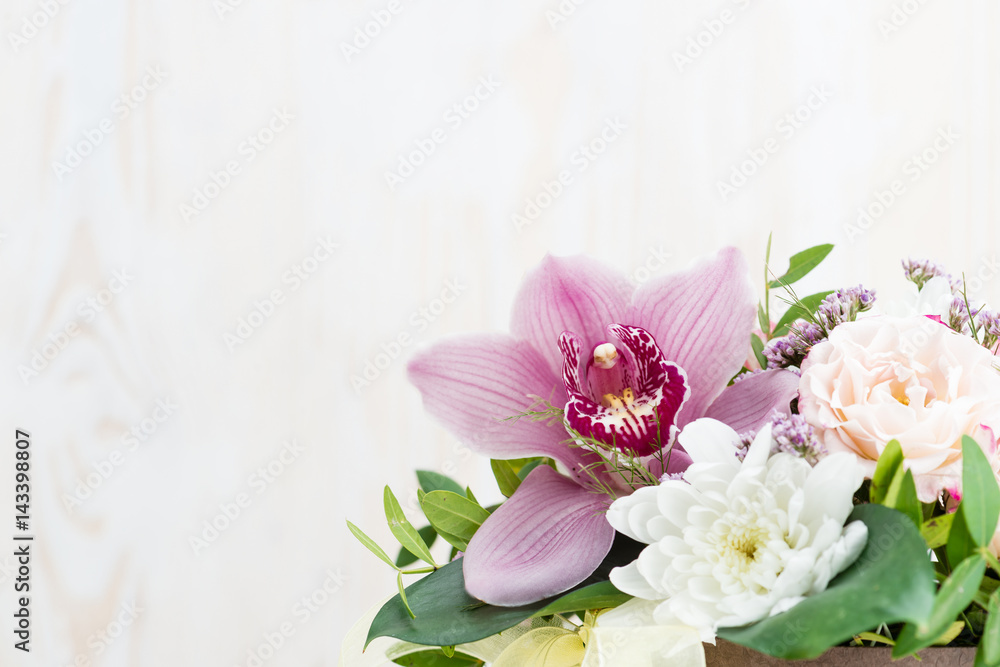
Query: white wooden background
[{"x": 654, "y": 191}]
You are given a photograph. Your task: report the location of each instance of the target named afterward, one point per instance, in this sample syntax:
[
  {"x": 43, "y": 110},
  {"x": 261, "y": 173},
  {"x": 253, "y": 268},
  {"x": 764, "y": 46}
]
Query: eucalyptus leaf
[
  {"x": 435, "y": 481},
  {"x": 801, "y": 264},
  {"x": 891, "y": 581},
  {"x": 955, "y": 595}
]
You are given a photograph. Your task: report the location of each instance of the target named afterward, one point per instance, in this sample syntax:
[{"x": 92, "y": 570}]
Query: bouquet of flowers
[{"x": 679, "y": 468}]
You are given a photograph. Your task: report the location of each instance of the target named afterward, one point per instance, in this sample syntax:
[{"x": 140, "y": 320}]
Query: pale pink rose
[{"x": 910, "y": 379}]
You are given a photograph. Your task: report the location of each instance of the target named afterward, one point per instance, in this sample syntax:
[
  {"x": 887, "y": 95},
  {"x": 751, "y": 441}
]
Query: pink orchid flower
[{"x": 630, "y": 366}]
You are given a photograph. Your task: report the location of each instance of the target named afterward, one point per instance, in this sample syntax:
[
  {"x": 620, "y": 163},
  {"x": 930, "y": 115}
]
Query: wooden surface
[{"x": 648, "y": 203}]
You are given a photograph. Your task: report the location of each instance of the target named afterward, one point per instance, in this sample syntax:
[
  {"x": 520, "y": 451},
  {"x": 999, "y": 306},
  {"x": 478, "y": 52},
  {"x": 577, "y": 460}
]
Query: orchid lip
[{"x": 628, "y": 397}]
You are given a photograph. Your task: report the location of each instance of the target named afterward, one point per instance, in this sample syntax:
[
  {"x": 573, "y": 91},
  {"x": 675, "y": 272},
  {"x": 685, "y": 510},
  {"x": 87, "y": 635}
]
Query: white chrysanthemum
[{"x": 734, "y": 542}]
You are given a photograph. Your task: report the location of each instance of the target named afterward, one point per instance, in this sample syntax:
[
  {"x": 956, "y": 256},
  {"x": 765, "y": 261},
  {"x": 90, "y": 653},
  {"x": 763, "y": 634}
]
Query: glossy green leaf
[
  {"x": 507, "y": 479},
  {"x": 757, "y": 345},
  {"x": 597, "y": 596},
  {"x": 762, "y": 320},
  {"x": 989, "y": 644},
  {"x": 454, "y": 517},
  {"x": 888, "y": 464},
  {"x": 435, "y": 481},
  {"x": 800, "y": 310},
  {"x": 980, "y": 493},
  {"x": 891, "y": 581},
  {"x": 801, "y": 264},
  {"x": 471, "y": 496},
  {"x": 437, "y": 658},
  {"x": 371, "y": 545},
  {"x": 954, "y": 596},
  {"x": 902, "y": 496},
  {"x": 428, "y": 535},
  {"x": 447, "y": 615},
  {"x": 403, "y": 530},
  {"x": 935, "y": 530},
  {"x": 960, "y": 543},
  {"x": 529, "y": 466}
]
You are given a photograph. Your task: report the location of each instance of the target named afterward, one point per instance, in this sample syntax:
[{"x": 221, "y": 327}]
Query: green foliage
[
  {"x": 435, "y": 481},
  {"x": 507, "y": 479},
  {"x": 455, "y": 518},
  {"x": 403, "y": 530},
  {"x": 802, "y": 309},
  {"x": 801, "y": 264}
]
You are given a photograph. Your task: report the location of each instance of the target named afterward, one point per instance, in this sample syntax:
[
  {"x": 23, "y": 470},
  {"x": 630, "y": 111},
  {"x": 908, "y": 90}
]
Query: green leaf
[
  {"x": 989, "y": 645},
  {"x": 529, "y": 466},
  {"x": 801, "y": 310},
  {"x": 449, "y": 651},
  {"x": 955, "y": 595},
  {"x": 371, "y": 545},
  {"x": 935, "y": 530},
  {"x": 454, "y": 517},
  {"x": 596, "y": 596},
  {"x": 435, "y": 481},
  {"x": 507, "y": 479},
  {"x": 801, "y": 264},
  {"x": 960, "y": 543},
  {"x": 891, "y": 581},
  {"x": 885, "y": 470},
  {"x": 757, "y": 345},
  {"x": 470, "y": 495},
  {"x": 980, "y": 493},
  {"x": 447, "y": 615},
  {"x": 403, "y": 530},
  {"x": 437, "y": 658},
  {"x": 762, "y": 320},
  {"x": 902, "y": 496},
  {"x": 954, "y": 630},
  {"x": 428, "y": 535}
]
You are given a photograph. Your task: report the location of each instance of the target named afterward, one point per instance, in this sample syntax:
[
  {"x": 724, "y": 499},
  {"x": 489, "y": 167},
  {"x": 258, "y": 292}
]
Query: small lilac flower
[
  {"x": 789, "y": 435},
  {"x": 920, "y": 271},
  {"x": 989, "y": 324},
  {"x": 958, "y": 315},
  {"x": 844, "y": 306},
  {"x": 790, "y": 350}
]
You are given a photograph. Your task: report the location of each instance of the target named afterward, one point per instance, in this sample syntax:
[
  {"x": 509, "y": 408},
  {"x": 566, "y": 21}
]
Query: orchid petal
[
  {"x": 577, "y": 294},
  {"x": 701, "y": 318},
  {"x": 548, "y": 537},
  {"x": 474, "y": 383},
  {"x": 748, "y": 404}
]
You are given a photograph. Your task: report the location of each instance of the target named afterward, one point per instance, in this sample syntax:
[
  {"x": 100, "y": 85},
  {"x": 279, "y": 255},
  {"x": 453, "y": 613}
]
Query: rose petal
[
  {"x": 748, "y": 404},
  {"x": 577, "y": 294},
  {"x": 548, "y": 537},
  {"x": 701, "y": 318}
]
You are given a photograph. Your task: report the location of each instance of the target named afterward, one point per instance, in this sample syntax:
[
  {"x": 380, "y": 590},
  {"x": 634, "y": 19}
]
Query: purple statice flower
[
  {"x": 791, "y": 350},
  {"x": 844, "y": 306},
  {"x": 789, "y": 435},
  {"x": 958, "y": 315},
  {"x": 920, "y": 271},
  {"x": 989, "y": 324},
  {"x": 793, "y": 435}
]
